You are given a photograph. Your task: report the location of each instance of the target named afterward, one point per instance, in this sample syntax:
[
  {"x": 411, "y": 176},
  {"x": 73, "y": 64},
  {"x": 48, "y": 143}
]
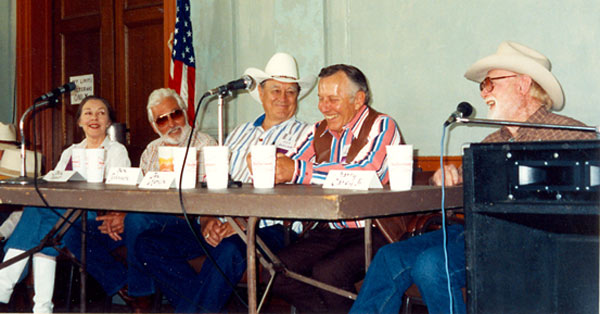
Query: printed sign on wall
[{"x": 85, "y": 87}]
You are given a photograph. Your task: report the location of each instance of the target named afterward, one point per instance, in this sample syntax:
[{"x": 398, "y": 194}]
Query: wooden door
[{"x": 140, "y": 53}]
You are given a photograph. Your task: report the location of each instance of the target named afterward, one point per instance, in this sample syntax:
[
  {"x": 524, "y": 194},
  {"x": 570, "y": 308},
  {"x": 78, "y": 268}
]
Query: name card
[
  {"x": 63, "y": 176},
  {"x": 157, "y": 180},
  {"x": 352, "y": 180},
  {"x": 124, "y": 176}
]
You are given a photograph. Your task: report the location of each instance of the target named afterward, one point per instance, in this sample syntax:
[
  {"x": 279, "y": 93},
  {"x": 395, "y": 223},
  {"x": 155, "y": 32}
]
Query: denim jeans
[
  {"x": 33, "y": 226},
  {"x": 418, "y": 260},
  {"x": 165, "y": 253},
  {"x": 109, "y": 272}
]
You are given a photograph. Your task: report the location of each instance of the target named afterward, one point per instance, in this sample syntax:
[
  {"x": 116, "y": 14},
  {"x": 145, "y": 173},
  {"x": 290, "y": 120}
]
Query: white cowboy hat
[
  {"x": 517, "y": 58},
  {"x": 10, "y": 163},
  {"x": 281, "y": 67}
]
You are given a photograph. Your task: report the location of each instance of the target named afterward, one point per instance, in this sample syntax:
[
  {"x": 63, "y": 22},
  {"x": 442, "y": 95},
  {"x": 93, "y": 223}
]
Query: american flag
[{"x": 182, "y": 76}]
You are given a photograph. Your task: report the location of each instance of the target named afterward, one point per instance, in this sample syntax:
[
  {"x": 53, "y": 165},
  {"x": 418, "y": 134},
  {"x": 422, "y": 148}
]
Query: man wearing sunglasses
[
  {"x": 517, "y": 85},
  {"x": 167, "y": 115}
]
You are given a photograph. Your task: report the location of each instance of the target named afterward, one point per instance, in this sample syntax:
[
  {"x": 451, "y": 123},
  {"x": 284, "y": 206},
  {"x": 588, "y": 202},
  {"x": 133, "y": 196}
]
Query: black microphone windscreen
[
  {"x": 70, "y": 86},
  {"x": 465, "y": 108}
]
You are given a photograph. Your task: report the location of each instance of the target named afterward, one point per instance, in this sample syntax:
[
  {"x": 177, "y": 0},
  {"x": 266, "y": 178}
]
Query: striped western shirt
[
  {"x": 372, "y": 156},
  {"x": 284, "y": 136}
]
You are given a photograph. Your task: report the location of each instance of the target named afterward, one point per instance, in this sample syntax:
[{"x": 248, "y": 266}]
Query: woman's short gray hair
[{"x": 158, "y": 95}]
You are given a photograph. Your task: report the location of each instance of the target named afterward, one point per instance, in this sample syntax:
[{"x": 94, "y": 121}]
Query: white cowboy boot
[
  {"x": 11, "y": 274},
  {"x": 44, "y": 269}
]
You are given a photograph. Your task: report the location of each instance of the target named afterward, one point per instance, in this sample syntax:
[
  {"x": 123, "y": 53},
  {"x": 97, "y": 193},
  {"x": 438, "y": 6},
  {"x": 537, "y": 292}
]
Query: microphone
[
  {"x": 464, "y": 109},
  {"x": 57, "y": 91},
  {"x": 245, "y": 82}
]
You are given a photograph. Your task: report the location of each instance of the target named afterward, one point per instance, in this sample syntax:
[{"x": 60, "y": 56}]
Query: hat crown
[
  {"x": 282, "y": 65},
  {"x": 509, "y": 48}
]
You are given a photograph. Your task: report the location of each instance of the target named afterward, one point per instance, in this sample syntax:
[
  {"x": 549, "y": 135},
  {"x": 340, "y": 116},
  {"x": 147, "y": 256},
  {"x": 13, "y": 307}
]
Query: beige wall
[
  {"x": 414, "y": 53},
  {"x": 7, "y": 59}
]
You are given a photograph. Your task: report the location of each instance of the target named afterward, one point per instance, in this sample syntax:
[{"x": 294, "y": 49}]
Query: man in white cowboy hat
[
  {"x": 517, "y": 85},
  {"x": 165, "y": 251}
]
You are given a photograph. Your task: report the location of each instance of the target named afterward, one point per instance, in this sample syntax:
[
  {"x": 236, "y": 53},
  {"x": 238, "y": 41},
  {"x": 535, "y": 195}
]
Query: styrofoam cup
[
  {"x": 216, "y": 165},
  {"x": 263, "y": 166},
  {"x": 79, "y": 161},
  {"x": 95, "y": 164},
  {"x": 400, "y": 165},
  {"x": 190, "y": 169}
]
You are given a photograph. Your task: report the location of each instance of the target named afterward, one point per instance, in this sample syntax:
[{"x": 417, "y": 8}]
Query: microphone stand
[
  {"x": 23, "y": 179},
  {"x": 222, "y": 94},
  {"x": 531, "y": 125}
]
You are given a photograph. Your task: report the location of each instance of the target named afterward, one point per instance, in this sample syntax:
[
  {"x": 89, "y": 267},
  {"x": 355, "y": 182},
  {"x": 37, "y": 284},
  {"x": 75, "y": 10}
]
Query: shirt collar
[
  {"x": 537, "y": 117},
  {"x": 259, "y": 121}
]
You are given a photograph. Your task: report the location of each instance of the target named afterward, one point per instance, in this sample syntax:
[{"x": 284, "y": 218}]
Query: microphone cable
[
  {"x": 185, "y": 214},
  {"x": 445, "y": 240}
]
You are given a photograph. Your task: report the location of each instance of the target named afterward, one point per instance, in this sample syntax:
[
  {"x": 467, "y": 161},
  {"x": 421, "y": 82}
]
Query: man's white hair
[{"x": 158, "y": 95}]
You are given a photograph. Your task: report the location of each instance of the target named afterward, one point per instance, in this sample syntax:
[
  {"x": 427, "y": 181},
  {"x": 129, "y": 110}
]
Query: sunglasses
[
  {"x": 164, "y": 119},
  {"x": 487, "y": 85}
]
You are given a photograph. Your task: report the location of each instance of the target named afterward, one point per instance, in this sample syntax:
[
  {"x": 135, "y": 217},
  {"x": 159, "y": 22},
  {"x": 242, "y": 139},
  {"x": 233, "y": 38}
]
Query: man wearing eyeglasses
[
  {"x": 517, "y": 85},
  {"x": 167, "y": 115}
]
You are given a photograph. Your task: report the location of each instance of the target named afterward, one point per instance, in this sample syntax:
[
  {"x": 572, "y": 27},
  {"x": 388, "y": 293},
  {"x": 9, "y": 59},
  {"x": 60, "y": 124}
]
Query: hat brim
[
  {"x": 478, "y": 71},
  {"x": 306, "y": 83}
]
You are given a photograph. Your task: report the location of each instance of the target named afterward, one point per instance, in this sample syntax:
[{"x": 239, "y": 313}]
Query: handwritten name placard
[
  {"x": 124, "y": 176},
  {"x": 63, "y": 176},
  {"x": 352, "y": 180},
  {"x": 158, "y": 180}
]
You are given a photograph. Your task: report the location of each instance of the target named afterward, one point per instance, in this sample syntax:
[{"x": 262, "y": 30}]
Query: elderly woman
[{"x": 94, "y": 116}]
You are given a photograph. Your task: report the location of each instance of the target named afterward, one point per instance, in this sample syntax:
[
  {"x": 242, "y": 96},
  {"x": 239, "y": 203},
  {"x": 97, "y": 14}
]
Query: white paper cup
[
  {"x": 165, "y": 158},
  {"x": 190, "y": 169},
  {"x": 95, "y": 164},
  {"x": 400, "y": 166},
  {"x": 263, "y": 166},
  {"x": 216, "y": 165},
  {"x": 78, "y": 161}
]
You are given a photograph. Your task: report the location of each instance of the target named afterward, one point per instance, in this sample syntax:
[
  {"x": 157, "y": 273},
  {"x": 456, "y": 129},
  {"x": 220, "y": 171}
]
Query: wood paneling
[
  {"x": 432, "y": 163},
  {"x": 34, "y": 68},
  {"x": 139, "y": 66}
]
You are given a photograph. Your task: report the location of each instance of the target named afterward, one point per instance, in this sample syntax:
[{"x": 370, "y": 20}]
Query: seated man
[
  {"x": 352, "y": 136},
  {"x": 167, "y": 115},
  {"x": 517, "y": 85},
  {"x": 165, "y": 252}
]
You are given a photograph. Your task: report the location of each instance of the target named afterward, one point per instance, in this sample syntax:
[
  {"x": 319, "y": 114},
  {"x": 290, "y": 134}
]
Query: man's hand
[
  {"x": 113, "y": 224},
  {"x": 284, "y": 170},
  {"x": 249, "y": 162},
  {"x": 451, "y": 176},
  {"x": 214, "y": 231}
]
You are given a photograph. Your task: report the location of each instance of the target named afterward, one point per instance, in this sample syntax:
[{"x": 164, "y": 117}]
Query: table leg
[
  {"x": 368, "y": 242},
  {"x": 251, "y": 260},
  {"x": 82, "y": 273}
]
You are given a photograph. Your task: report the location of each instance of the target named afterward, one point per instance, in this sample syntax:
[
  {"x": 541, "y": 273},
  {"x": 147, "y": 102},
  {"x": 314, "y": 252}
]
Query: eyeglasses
[
  {"x": 487, "y": 85},
  {"x": 164, "y": 119}
]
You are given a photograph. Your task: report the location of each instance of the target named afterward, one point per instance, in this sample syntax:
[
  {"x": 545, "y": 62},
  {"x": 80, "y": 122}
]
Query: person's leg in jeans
[
  {"x": 429, "y": 273},
  {"x": 109, "y": 272},
  {"x": 390, "y": 274},
  {"x": 165, "y": 254},
  {"x": 139, "y": 283}
]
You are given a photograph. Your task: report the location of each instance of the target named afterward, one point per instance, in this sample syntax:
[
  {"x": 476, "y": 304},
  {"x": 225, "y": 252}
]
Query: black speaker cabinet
[{"x": 532, "y": 212}]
